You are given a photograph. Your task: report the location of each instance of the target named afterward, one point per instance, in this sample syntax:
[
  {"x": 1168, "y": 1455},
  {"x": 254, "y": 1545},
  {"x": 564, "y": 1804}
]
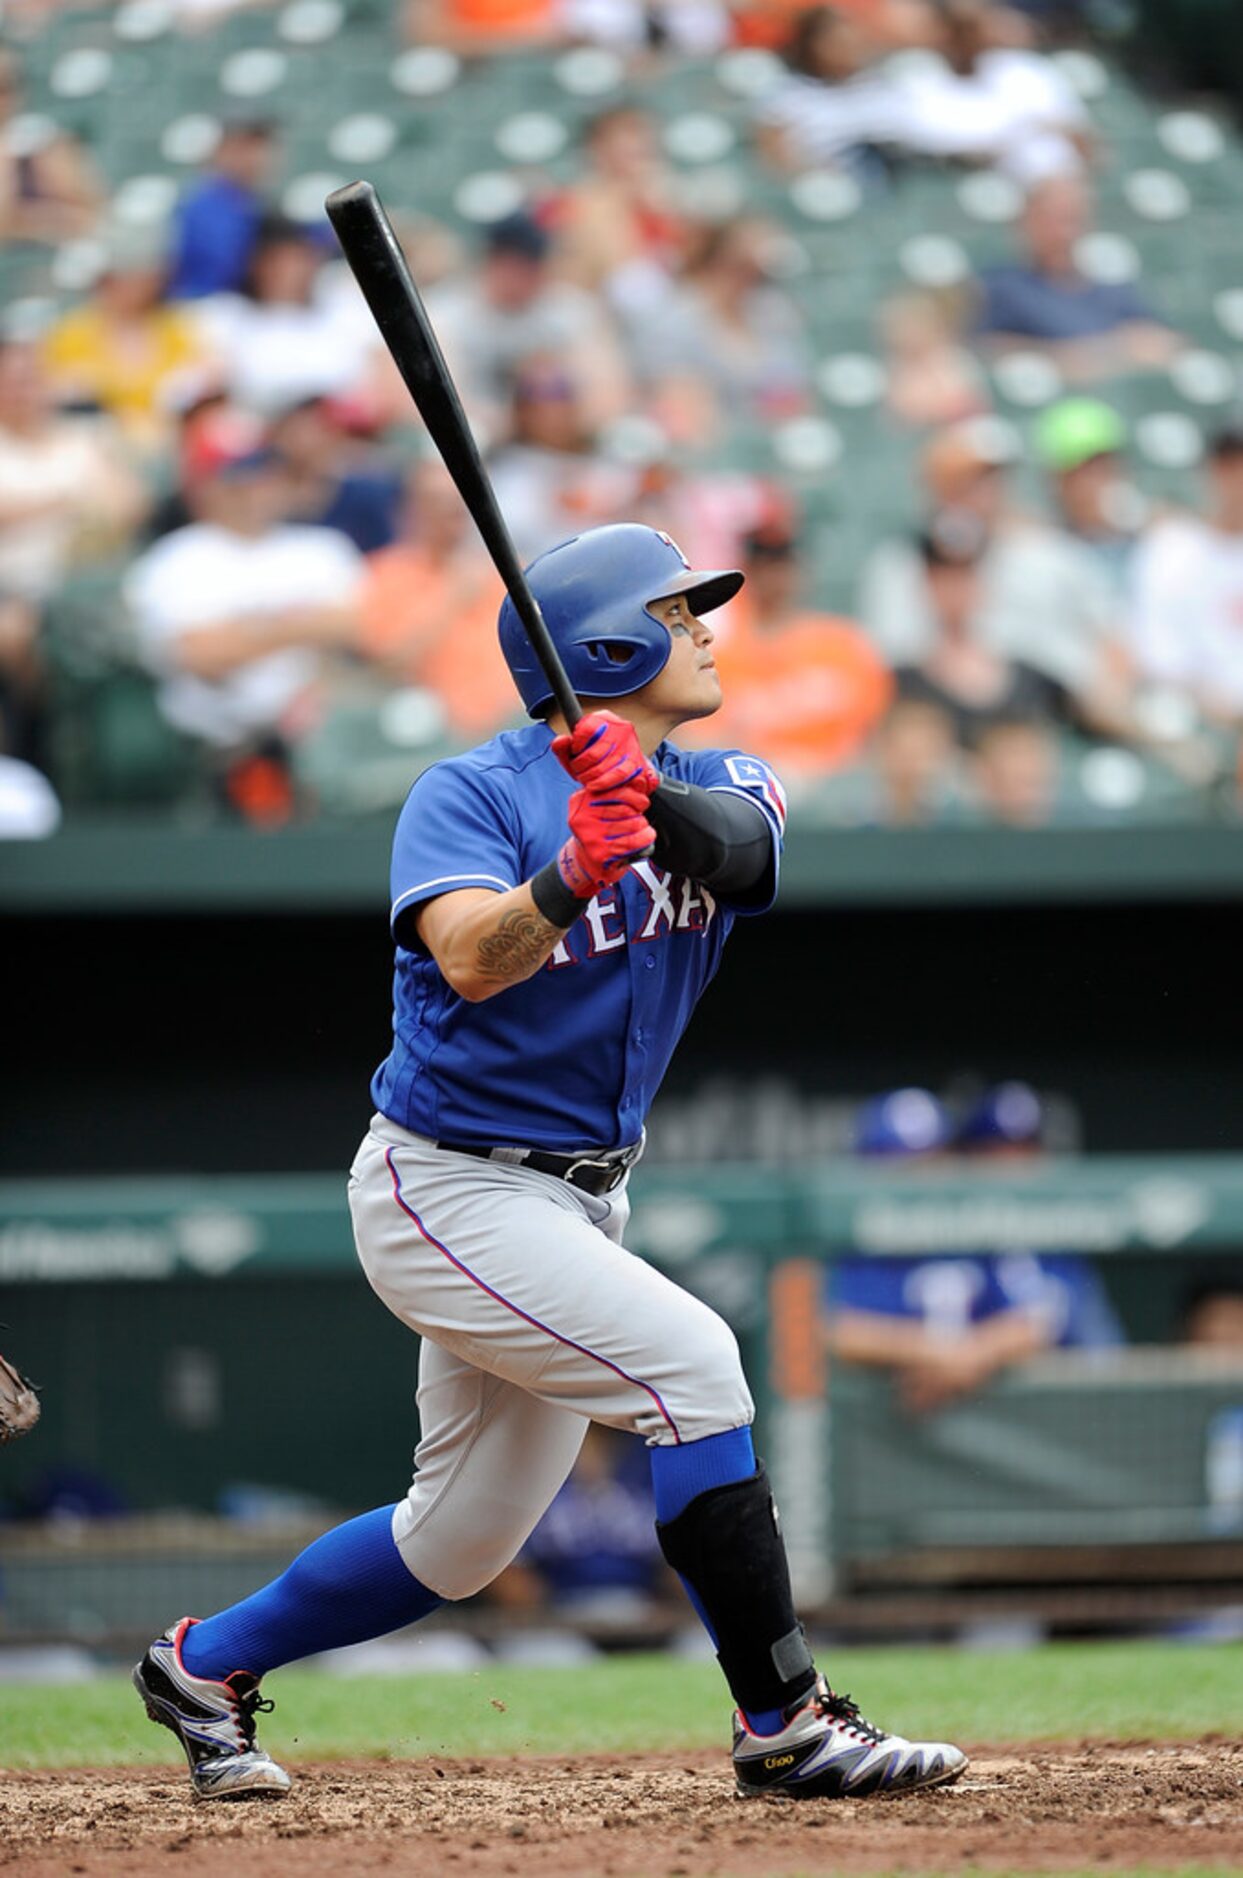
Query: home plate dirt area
[{"x": 1105, "y": 1806}]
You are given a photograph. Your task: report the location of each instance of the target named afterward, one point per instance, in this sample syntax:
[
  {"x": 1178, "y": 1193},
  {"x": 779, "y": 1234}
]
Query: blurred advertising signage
[
  {"x": 206, "y": 1244},
  {"x": 1156, "y": 1213}
]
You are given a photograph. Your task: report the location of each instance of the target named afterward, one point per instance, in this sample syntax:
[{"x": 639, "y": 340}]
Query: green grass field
[{"x": 1129, "y": 1691}]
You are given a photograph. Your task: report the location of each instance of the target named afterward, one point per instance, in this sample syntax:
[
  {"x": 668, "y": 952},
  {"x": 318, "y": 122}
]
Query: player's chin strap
[
  {"x": 727, "y": 1547},
  {"x": 711, "y": 835}
]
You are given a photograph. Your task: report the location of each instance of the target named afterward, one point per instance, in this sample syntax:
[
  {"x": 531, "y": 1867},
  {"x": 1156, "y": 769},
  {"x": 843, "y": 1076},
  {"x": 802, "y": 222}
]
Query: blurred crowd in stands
[{"x": 216, "y": 423}]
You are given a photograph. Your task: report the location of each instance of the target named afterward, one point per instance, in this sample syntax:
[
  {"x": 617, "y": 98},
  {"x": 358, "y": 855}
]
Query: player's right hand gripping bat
[{"x": 380, "y": 268}]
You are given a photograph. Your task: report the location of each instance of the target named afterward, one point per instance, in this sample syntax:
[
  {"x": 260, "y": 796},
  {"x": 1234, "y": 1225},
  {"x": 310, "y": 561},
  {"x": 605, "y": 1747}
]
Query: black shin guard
[{"x": 728, "y": 1548}]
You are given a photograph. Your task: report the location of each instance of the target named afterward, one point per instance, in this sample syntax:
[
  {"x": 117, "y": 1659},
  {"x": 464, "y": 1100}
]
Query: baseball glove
[{"x": 19, "y": 1404}]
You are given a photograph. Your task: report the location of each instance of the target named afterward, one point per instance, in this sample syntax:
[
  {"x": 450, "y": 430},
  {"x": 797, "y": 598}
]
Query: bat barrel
[{"x": 380, "y": 268}]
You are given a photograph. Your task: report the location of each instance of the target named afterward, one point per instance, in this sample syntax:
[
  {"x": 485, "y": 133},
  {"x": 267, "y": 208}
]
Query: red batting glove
[
  {"x": 602, "y": 753},
  {"x": 607, "y": 833}
]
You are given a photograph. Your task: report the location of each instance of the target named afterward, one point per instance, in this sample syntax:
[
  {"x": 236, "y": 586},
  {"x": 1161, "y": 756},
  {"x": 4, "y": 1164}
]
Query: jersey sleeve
[
  {"x": 455, "y": 831},
  {"x": 863, "y": 1284},
  {"x": 751, "y": 778},
  {"x": 1085, "y": 1318}
]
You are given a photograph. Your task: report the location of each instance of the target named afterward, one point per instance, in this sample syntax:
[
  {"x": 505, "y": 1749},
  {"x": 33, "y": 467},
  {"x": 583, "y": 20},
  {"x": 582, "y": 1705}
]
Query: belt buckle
[{"x": 615, "y": 1170}]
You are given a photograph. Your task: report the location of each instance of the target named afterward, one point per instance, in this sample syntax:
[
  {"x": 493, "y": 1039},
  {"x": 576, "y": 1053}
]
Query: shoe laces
[
  {"x": 844, "y": 1709},
  {"x": 248, "y": 1703}
]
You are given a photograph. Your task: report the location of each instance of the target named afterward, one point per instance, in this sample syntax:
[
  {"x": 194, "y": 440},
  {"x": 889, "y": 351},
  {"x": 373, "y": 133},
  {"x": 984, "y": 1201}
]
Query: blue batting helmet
[
  {"x": 1009, "y": 1116},
  {"x": 906, "y": 1121},
  {"x": 594, "y": 592}
]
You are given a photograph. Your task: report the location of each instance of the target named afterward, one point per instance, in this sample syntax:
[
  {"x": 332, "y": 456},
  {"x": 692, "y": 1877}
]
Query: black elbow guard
[{"x": 714, "y": 837}]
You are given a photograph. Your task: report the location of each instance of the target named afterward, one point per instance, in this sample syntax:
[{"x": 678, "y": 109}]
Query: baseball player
[
  {"x": 944, "y": 1324},
  {"x": 559, "y": 903}
]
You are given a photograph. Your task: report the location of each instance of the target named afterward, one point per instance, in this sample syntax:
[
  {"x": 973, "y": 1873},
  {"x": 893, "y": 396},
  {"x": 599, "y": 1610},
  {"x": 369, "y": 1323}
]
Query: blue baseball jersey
[
  {"x": 572, "y": 1057},
  {"x": 949, "y": 1294}
]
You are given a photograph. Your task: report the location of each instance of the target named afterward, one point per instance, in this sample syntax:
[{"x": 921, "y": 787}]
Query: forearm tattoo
[{"x": 518, "y": 945}]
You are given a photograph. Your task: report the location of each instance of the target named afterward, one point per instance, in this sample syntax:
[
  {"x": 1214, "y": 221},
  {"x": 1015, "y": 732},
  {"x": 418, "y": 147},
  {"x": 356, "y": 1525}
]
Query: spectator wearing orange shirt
[
  {"x": 429, "y": 608},
  {"x": 475, "y": 28},
  {"x": 895, "y": 23},
  {"x": 802, "y": 688}
]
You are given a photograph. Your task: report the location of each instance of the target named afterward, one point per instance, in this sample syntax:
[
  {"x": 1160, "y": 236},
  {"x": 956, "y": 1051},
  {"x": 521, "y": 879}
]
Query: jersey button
[{"x": 650, "y": 962}]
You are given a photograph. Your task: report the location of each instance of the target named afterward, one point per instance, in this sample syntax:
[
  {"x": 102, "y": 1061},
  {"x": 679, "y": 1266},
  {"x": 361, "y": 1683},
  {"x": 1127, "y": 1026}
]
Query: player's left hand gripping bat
[{"x": 380, "y": 268}]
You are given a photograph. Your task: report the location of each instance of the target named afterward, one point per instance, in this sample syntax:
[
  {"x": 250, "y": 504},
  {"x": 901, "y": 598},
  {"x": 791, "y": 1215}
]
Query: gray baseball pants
[{"x": 534, "y": 1319}]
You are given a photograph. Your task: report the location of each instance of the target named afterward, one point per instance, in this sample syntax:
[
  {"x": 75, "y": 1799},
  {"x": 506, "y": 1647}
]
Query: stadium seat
[
  {"x": 310, "y": 22},
  {"x": 255, "y": 72},
  {"x": 425, "y": 72},
  {"x": 365, "y": 138},
  {"x": 589, "y": 72},
  {"x": 531, "y": 137},
  {"x": 365, "y": 756},
  {"x": 1105, "y": 783},
  {"x": 138, "y": 22}
]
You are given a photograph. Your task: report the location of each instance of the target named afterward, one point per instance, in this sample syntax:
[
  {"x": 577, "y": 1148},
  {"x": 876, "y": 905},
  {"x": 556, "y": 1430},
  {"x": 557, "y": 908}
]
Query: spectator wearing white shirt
[
  {"x": 975, "y": 91},
  {"x": 732, "y": 340},
  {"x": 236, "y": 613},
  {"x": 551, "y": 479},
  {"x": 1042, "y": 600},
  {"x": 693, "y": 28},
  {"x": 511, "y": 308},
  {"x": 1187, "y": 612},
  {"x": 838, "y": 100},
  {"x": 991, "y": 97},
  {"x": 296, "y": 332}
]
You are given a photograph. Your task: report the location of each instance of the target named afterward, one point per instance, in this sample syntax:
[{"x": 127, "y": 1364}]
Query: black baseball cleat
[
  {"x": 828, "y": 1751},
  {"x": 214, "y": 1722}
]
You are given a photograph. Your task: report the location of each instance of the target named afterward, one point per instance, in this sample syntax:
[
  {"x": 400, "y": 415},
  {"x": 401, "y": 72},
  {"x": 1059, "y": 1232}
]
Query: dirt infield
[{"x": 1107, "y": 1806}]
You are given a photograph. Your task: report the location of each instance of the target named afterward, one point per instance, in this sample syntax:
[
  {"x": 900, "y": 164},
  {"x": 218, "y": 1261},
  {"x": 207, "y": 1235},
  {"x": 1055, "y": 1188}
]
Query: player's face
[{"x": 689, "y": 686}]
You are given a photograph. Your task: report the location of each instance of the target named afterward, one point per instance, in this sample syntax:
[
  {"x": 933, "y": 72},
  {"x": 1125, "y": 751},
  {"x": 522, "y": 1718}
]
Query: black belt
[{"x": 593, "y": 1173}]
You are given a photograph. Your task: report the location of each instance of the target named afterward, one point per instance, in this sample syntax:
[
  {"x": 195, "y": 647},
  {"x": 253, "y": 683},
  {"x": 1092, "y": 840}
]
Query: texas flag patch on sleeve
[{"x": 753, "y": 775}]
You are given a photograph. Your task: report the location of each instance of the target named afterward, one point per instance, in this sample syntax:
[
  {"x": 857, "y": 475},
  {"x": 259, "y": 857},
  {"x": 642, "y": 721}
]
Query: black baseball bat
[{"x": 381, "y": 270}]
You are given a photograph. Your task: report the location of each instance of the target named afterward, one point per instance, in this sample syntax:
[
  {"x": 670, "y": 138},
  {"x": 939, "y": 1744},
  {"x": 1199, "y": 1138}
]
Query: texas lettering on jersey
[
  {"x": 674, "y": 904},
  {"x": 575, "y": 1052}
]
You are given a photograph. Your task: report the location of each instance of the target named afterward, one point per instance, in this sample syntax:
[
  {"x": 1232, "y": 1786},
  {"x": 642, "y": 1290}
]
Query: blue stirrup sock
[
  {"x": 348, "y": 1586},
  {"x": 680, "y": 1475}
]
